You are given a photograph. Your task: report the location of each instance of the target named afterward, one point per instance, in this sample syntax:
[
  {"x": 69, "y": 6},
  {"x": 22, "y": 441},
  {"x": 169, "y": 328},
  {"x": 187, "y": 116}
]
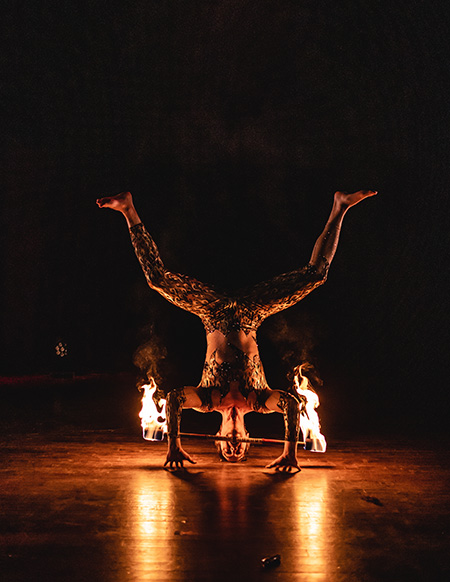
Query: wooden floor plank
[{"x": 97, "y": 506}]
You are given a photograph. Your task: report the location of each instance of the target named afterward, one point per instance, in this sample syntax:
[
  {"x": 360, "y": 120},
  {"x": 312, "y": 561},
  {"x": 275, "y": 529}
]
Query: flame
[
  {"x": 153, "y": 414},
  {"x": 309, "y": 419}
]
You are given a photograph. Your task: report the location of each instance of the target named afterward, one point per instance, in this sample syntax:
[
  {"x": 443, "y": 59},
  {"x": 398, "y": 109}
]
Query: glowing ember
[
  {"x": 153, "y": 414},
  {"x": 309, "y": 419}
]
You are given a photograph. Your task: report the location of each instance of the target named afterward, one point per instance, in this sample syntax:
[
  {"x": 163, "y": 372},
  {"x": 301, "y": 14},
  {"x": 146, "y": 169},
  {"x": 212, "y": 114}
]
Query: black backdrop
[{"x": 232, "y": 123}]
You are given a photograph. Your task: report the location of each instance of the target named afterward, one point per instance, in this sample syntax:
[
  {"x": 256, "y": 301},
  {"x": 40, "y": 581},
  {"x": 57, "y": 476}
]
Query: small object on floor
[
  {"x": 373, "y": 500},
  {"x": 271, "y": 561}
]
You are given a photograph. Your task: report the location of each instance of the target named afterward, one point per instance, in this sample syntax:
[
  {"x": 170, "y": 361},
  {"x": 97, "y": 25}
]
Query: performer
[{"x": 233, "y": 380}]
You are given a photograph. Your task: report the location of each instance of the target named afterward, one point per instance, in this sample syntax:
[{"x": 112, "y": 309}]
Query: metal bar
[{"x": 255, "y": 441}]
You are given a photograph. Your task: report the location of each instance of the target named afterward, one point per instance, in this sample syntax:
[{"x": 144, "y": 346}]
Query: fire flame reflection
[
  {"x": 153, "y": 413},
  {"x": 309, "y": 419}
]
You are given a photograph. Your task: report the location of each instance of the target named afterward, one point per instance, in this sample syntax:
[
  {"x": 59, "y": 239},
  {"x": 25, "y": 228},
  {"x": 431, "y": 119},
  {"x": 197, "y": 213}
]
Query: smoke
[
  {"x": 295, "y": 338},
  {"x": 309, "y": 371},
  {"x": 149, "y": 355}
]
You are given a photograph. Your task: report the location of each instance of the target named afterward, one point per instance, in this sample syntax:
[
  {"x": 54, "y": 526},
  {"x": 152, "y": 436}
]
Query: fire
[
  {"x": 309, "y": 419},
  {"x": 154, "y": 424},
  {"x": 153, "y": 413}
]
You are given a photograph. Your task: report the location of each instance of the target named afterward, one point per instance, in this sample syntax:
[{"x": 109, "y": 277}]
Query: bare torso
[{"x": 224, "y": 346}]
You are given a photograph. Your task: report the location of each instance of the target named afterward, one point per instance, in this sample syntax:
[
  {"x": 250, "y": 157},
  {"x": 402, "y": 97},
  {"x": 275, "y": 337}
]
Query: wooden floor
[{"x": 97, "y": 506}]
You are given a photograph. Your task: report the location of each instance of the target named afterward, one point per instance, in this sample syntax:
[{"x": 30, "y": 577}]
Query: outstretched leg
[
  {"x": 285, "y": 290},
  {"x": 325, "y": 247},
  {"x": 181, "y": 290}
]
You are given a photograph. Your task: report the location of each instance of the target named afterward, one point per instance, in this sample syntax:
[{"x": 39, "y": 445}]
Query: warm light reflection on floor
[
  {"x": 78, "y": 509},
  {"x": 232, "y": 500},
  {"x": 311, "y": 511},
  {"x": 168, "y": 513},
  {"x": 150, "y": 522}
]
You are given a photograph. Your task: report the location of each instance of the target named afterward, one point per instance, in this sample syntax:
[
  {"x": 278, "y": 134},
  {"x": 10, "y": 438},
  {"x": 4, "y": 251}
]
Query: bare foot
[
  {"x": 347, "y": 200},
  {"x": 121, "y": 202}
]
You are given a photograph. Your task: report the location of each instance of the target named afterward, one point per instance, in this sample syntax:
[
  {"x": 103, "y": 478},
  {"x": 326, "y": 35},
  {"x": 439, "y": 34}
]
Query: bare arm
[
  {"x": 286, "y": 403},
  {"x": 178, "y": 399}
]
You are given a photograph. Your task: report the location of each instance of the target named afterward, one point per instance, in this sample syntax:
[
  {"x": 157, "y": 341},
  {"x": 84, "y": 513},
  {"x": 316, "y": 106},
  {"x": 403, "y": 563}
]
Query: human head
[
  {"x": 232, "y": 450},
  {"x": 233, "y": 428}
]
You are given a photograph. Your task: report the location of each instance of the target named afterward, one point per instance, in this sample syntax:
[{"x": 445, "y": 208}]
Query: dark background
[{"x": 232, "y": 123}]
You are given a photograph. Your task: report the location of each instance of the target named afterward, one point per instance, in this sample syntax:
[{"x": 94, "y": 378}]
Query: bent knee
[{"x": 319, "y": 271}]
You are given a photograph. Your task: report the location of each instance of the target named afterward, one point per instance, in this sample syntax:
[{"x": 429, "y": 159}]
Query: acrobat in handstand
[{"x": 233, "y": 380}]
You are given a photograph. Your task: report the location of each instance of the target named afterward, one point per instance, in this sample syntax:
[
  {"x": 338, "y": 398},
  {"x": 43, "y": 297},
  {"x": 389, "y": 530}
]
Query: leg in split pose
[{"x": 233, "y": 380}]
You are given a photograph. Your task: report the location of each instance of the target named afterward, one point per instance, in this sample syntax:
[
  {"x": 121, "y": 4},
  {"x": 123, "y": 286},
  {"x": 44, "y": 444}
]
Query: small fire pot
[{"x": 153, "y": 434}]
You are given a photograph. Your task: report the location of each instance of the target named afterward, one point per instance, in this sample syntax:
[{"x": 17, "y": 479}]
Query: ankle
[
  {"x": 340, "y": 207},
  {"x": 131, "y": 216}
]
